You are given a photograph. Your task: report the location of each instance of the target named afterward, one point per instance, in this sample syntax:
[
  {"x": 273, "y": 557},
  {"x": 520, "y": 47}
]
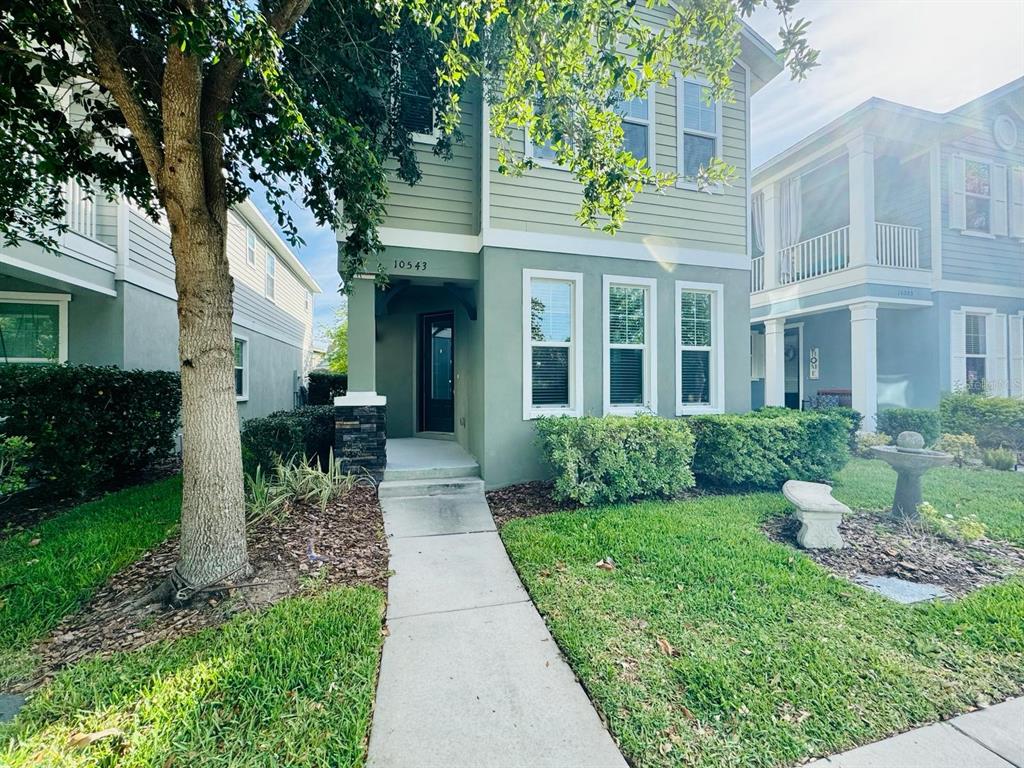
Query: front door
[
  {"x": 793, "y": 367},
  {"x": 437, "y": 372}
]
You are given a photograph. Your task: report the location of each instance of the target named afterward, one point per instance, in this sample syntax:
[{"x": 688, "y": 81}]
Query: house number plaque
[{"x": 415, "y": 266}]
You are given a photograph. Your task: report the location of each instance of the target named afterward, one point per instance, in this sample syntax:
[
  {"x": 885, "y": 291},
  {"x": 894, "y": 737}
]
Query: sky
[{"x": 931, "y": 54}]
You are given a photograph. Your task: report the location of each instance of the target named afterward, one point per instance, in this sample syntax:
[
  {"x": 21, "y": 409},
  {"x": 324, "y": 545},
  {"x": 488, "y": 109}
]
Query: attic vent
[{"x": 1004, "y": 130}]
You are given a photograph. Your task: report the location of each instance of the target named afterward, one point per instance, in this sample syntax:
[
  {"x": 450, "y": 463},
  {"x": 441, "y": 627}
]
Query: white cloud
[{"x": 932, "y": 54}]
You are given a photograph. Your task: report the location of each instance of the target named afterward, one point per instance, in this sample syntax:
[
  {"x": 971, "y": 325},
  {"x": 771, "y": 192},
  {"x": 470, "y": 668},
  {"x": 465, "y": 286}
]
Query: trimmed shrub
[
  {"x": 962, "y": 447},
  {"x": 91, "y": 427},
  {"x": 282, "y": 436},
  {"x": 766, "y": 448},
  {"x": 324, "y": 386},
  {"x": 14, "y": 453},
  {"x": 892, "y": 421},
  {"x": 868, "y": 440},
  {"x": 1000, "y": 458},
  {"x": 612, "y": 459},
  {"x": 995, "y": 422}
]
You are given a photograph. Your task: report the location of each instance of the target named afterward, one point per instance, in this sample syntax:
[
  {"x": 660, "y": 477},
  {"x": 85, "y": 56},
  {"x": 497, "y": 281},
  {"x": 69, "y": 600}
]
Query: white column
[
  {"x": 775, "y": 362},
  {"x": 771, "y": 237},
  {"x": 862, "y": 200},
  {"x": 864, "y": 361}
]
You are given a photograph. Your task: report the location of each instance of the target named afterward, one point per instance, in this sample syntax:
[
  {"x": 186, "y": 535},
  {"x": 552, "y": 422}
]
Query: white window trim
[
  {"x": 270, "y": 274},
  {"x": 717, "y": 387},
  {"x": 575, "y": 358},
  {"x": 991, "y": 198},
  {"x": 681, "y": 182},
  {"x": 61, "y": 301},
  {"x": 650, "y": 286},
  {"x": 250, "y": 254},
  {"x": 544, "y": 162},
  {"x": 986, "y": 312},
  {"x": 244, "y": 397}
]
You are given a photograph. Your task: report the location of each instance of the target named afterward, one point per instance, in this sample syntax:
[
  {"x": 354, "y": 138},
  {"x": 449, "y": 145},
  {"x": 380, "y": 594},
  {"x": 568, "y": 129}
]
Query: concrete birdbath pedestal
[{"x": 911, "y": 460}]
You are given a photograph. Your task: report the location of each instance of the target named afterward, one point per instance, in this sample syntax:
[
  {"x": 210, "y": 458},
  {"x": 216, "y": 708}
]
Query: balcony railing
[
  {"x": 814, "y": 257},
  {"x": 897, "y": 245},
  {"x": 757, "y": 274},
  {"x": 81, "y": 212}
]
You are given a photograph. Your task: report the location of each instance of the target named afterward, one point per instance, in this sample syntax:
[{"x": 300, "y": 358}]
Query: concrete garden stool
[{"x": 818, "y": 512}]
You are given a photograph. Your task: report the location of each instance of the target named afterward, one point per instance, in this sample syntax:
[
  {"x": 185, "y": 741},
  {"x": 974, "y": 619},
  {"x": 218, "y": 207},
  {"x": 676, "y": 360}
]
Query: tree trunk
[{"x": 213, "y": 545}]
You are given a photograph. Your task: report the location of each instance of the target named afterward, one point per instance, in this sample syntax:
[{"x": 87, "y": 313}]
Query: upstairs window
[
  {"x": 636, "y": 127},
  {"x": 629, "y": 344},
  {"x": 271, "y": 274},
  {"x": 416, "y": 104},
  {"x": 699, "y": 350},
  {"x": 978, "y": 195},
  {"x": 700, "y": 126},
  {"x": 552, "y": 380},
  {"x": 250, "y": 246}
]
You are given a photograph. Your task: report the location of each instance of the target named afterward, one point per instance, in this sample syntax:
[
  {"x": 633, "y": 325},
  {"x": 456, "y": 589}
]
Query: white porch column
[
  {"x": 775, "y": 362},
  {"x": 861, "y": 152},
  {"x": 864, "y": 361},
  {"x": 771, "y": 237}
]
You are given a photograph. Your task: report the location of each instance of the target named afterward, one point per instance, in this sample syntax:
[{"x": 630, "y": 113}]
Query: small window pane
[
  {"x": 975, "y": 337},
  {"x": 626, "y": 308},
  {"x": 550, "y": 376},
  {"x": 544, "y": 151},
  {"x": 634, "y": 139},
  {"x": 626, "y": 376},
  {"x": 695, "y": 376},
  {"x": 978, "y": 213},
  {"x": 441, "y": 364},
  {"x": 551, "y": 310},
  {"x": 695, "y": 319},
  {"x": 697, "y": 153},
  {"x": 976, "y": 374},
  {"x": 976, "y": 178},
  {"x": 636, "y": 109},
  {"x": 417, "y": 113},
  {"x": 698, "y": 113},
  {"x": 239, "y": 359},
  {"x": 29, "y": 331},
  {"x": 250, "y": 246},
  {"x": 239, "y": 382}
]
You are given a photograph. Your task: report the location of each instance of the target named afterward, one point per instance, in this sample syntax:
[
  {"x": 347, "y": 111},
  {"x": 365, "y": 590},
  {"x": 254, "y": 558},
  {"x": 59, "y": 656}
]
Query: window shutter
[
  {"x": 999, "y": 200},
  {"x": 996, "y": 373},
  {"x": 957, "y": 358},
  {"x": 957, "y": 211},
  {"x": 1017, "y": 202},
  {"x": 756, "y": 356},
  {"x": 1017, "y": 355}
]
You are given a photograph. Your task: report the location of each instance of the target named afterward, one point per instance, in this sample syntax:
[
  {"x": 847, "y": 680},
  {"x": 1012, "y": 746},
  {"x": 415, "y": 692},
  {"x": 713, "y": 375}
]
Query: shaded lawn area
[
  {"x": 49, "y": 570},
  {"x": 997, "y": 498},
  {"x": 291, "y": 685},
  {"x": 774, "y": 659}
]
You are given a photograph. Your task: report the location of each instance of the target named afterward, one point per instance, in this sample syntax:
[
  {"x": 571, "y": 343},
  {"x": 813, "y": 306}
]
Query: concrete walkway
[
  {"x": 988, "y": 738},
  {"x": 470, "y": 675}
]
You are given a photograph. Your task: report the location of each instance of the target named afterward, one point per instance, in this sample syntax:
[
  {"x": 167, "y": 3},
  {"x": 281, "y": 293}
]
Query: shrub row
[
  {"x": 90, "y": 426},
  {"x": 307, "y": 431},
  {"x": 892, "y": 421},
  {"x": 995, "y": 422},
  {"x": 324, "y": 386}
]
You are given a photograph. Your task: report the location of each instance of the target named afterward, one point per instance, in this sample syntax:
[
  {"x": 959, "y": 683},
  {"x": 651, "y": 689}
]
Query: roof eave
[
  {"x": 248, "y": 211},
  {"x": 760, "y": 58}
]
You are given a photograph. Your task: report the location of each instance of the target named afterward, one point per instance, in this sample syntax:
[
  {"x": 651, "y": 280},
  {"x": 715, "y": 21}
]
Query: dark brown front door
[{"x": 437, "y": 372}]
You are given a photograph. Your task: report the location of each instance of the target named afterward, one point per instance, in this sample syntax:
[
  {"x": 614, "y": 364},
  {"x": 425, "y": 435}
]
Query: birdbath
[{"x": 910, "y": 459}]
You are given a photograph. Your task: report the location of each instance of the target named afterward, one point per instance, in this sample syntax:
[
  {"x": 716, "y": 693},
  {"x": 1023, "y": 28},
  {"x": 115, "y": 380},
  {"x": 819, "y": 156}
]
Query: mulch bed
[
  {"x": 304, "y": 551},
  {"x": 523, "y": 500},
  {"x": 880, "y": 546}
]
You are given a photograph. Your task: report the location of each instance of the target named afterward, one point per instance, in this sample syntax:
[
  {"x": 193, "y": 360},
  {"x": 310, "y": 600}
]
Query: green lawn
[
  {"x": 292, "y": 685},
  {"x": 48, "y": 571},
  {"x": 776, "y": 660},
  {"x": 997, "y": 498}
]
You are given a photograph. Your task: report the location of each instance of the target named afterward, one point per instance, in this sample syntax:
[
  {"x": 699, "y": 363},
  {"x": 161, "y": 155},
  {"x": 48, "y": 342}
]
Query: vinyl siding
[
  {"x": 149, "y": 245},
  {"x": 999, "y": 261},
  {"x": 447, "y": 197}
]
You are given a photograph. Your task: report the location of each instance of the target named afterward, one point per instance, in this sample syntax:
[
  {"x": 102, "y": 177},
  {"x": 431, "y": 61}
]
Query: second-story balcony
[{"x": 896, "y": 245}]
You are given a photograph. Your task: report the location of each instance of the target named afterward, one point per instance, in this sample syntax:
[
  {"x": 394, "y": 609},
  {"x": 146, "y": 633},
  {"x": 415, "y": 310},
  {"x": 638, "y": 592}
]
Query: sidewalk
[
  {"x": 470, "y": 675},
  {"x": 988, "y": 738}
]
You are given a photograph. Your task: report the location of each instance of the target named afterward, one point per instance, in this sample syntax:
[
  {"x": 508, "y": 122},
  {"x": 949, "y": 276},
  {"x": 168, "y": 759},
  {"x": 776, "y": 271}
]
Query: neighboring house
[
  {"x": 502, "y": 309},
  {"x": 108, "y": 298},
  {"x": 889, "y": 258}
]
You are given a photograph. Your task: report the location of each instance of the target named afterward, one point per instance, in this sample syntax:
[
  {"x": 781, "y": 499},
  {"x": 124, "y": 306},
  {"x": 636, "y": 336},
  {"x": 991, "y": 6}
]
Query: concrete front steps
[{"x": 442, "y": 485}]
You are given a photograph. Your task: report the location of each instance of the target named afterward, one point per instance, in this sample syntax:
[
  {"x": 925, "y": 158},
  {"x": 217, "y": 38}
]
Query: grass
[
  {"x": 776, "y": 659},
  {"x": 48, "y": 571},
  {"x": 997, "y": 498},
  {"x": 292, "y": 685}
]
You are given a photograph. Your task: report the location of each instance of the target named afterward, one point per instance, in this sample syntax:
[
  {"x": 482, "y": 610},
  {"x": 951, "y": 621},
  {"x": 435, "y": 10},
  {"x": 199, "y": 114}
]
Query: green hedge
[
  {"x": 91, "y": 427},
  {"x": 995, "y": 422},
  {"x": 612, "y": 459},
  {"x": 766, "y": 448},
  {"x": 892, "y": 421},
  {"x": 324, "y": 386},
  {"x": 307, "y": 432}
]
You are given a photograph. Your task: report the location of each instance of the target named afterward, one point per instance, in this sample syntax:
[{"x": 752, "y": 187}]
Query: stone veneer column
[{"x": 360, "y": 433}]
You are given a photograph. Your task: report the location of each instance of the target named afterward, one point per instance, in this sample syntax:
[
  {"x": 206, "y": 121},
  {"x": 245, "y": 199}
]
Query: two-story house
[
  {"x": 889, "y": 258},
  {"x": 501, "y": 309},
  {"x": 108, "y": 298}
]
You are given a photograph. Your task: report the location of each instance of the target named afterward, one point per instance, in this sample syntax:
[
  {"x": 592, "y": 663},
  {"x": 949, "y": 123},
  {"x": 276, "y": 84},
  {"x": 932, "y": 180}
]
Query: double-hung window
[
  {"x": 637, "y": 128},
  {"x": 415, "y": 103},
  {"x": 271, "y": 274},
  {"x": 700, "y": 363},
  {"x": 629, "y": 344},
  {"x": 241, "y": 368},
  {"x": 250, "y": 246},
  {"x": 978, "y": 196},
  {"x": 33, "y": 327},
  {"x": 552, "y": 373},
  {"x": 700, "y": 129},
  {"x": 975, "y": 352}
]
